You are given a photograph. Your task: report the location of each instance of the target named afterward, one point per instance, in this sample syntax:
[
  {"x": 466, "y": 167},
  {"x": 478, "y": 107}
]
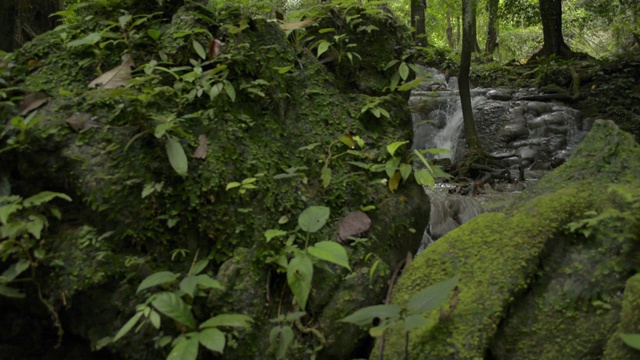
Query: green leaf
[
  {"x": 391, "y": 166},
  {"x": 16, "y": 269},
  {"x": 231, "y": 92},
  {"x": 391, "y": 148},
  {"x": 11, "y": 292},
  {"x": 413, "y": 322},
  {"x": 177, "y": 157},
  {"x": 365, "y": 316},
  {"x": 215, "y": 90},
  {"x": 35, "y": 225},
  {"x": 330, "y": 251},
  {"x": 432, "y": 297},
  {"x": 323, "y": 47},
  {"x": 423, "y": 177},
  {"x": 159, "y": 278},
  {"x": 188, "y": 285},
  {"x": 325, "y": 176},
  {"x": 124, "y": 20},
  {"x": 199, "y": 49},
  {"x": 299, "y": 275},
  {"x": 127, "y": 326},
  {"x": 205, "y": 281},
  {"x": 43, "y": 197},
  {"x": 154, "y": 317},
  {"x": 199, "y": 266},
  {"x": 174, "y": 307},
  {"x": 185, "y": 349},
  {"x": 390, "y": 64},
  {"x": 313, "y": 218},
  {"x": 410, "y": 85},
  {"x": 405, "y": 171},
  {"x": 233, "y": 185},
  {"x": 162, "y": 129},
  {"x": 153, "y": 33},
  {"x": 87, "y": 40},
  {"x": 271, "y": 233},
  {"x": 632, "y": 340},
  {"x": 403, "y": 70},
  {"x": 281, "y": 338},
  {"x": 231, "y": 320},
  {"x": 212, "y": 339},
  {"x": 7, "y": 210}
]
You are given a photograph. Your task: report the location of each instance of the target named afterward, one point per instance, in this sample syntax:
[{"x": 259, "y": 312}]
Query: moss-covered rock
[
  {"x": 542, "y": 280},
  {"x": 258, "y": 124},
  {"x": 629, "y": 323}
]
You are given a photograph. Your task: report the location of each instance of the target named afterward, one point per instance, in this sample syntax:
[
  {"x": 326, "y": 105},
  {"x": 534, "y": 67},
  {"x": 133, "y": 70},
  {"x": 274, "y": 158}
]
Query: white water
[{"x": 449, "y": 136}]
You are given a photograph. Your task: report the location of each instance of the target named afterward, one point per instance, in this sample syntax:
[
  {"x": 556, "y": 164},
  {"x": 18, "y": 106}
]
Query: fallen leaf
[
  {"x": 116, "y": 77},
  {"x": 79, "y": 121},
  {"x": 32, "y": 102},
  {"x": 354, "y": 224},
  {"x": 201, "y": 150},
  {"x": 297, "y": 24}
]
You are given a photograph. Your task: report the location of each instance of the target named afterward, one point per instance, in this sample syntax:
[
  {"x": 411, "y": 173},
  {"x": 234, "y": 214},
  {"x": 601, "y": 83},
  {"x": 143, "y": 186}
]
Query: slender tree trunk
[
  {"x": 475, "y": 46},
  {"x": 492, "y": 28},
  {"x": 551, "y": 15},
  {"x": 32, "y": 19},
  {"x": 449, "y": 32},
  {"x": 7, "y": 24},
  {"x": 418, "y": 8},
  {"x": 470, "y": 132},
  {"x": 458, "y": 30}
]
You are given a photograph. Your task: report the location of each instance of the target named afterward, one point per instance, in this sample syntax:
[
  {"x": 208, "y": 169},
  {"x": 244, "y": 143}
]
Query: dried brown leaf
[
  {"x": 201, "y": 150},
  {"x": 116, "y": 77},
  {"x": 297, "y": 24},
  {"x": 32, "y": 102},
  {"x": 354, "y": 224},
  {"x": 79, "y": 121}
]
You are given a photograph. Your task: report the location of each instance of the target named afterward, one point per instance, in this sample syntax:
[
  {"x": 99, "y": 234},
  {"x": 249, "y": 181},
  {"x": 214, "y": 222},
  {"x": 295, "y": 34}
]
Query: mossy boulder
[
  {"x": 259, "y": 125},
  {"x": 544, "y": 279}
]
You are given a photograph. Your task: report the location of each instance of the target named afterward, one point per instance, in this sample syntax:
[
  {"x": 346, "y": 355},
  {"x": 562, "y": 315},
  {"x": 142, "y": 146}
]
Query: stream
[{"x": 511, "y": 123}]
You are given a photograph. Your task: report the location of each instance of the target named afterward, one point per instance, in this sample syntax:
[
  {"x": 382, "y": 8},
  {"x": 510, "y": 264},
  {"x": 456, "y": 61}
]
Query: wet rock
[{"x": 500, "y": 94}]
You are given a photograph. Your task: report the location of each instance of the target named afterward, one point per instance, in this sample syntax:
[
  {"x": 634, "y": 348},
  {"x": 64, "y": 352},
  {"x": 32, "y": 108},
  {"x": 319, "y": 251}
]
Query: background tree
[
  {"x": 23, "y": 20},
  {"x": 418, "y": 8},
  {"x": 551, "y": 16},
  {"x": 470, "y": 131},
  {"x": 492, "y": 27}
]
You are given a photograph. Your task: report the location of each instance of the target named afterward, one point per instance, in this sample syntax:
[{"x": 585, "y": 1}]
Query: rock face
[{"x": 545, "y": 279}]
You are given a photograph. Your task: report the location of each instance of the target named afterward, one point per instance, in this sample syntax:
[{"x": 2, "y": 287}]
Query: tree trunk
[
  {"x": 551, "y": 15},
  {"x": 475, "y": 46},
  {"x": 418, "y": 8},
  {"x": 31, "y": 18},
  {"x": 470, "y": 132},
  {"x": 492, "y": 28},
  {"x": 7, "y": 25},
  {"x": 449, "y": 32}
]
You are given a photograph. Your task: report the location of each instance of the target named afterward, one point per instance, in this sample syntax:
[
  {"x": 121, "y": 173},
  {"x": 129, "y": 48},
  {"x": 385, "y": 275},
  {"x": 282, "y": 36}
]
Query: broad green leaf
[
  {"x": 313, "y": 218},
  {"x": 199, "y": 266},
  {"x": 87, "y": 40},
  {"x": 372, "y": 271},
  {"x": 325, "y": 176},
  {"x": 365, "y": 316},
  {"x": 309, "y": 147},
  {"x": 390, "y": 64},
  {"x": 424, "y": 161},
  {"x": 432, "y": 297},
  {"x": 271, "y": 233},
  {"x": 414, "y": 321},
  {"x": 348, "y": 140},
  {"x": 378, "y": 331},
  {"x": 7, "y": 210},
  {"x": 153, "y": 33},
  {"x": 330, "y": 251},
  {"x": 405, "y": 171},
  {"x": 205, "y": 281},
  {"x": 281, "y": 338},
  {"x": 11, "y": 292},
  {"x": 212, "y": 339},
  {"x": 188, "y": 285},
  {"x": 161, "y": 129},
  {"x": 43, "y": 197},
  {"x": 391, "y": 166},
  {"x": 403, "y": 70},
  {"x": 16, "y": 269},
  {"x": 127, "y": 326},
  {"x": 323, "y": 47},
  {"x": 233, "y": 185},
  {"x": 174, "y": 307},
  {"x": 199, "y": 49},
  {"x": 410, "y": 85},
  {"x": 215, "y": 90},
  {"x": 391, "y": 148},
  {"x": 154, "y": 317},
  {"x": 185, "y": 349},
  {"x": 231, "y": 92},
  {"x": 294, "y": 316},
  {"x": 124, "y": 20},
  {"x": 232, "y": 320},
  {"x": 632, "y": 340},
  {"x": 299, "y": 275},
  {"x": 159, "y": 278},
  {"x": 177, "y": 157},
  {"x": 395, "y": 80},
  {"x": 423, "y": 177},
  {"x": 35, "y": 225}
]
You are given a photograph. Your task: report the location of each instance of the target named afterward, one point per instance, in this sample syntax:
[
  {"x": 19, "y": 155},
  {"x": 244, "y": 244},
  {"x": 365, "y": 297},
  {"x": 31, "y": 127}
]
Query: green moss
[{"x": 629, "y": 323}]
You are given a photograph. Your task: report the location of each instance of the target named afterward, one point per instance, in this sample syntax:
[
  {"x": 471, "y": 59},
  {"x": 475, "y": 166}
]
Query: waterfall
[{"x": 449, "y": 137}]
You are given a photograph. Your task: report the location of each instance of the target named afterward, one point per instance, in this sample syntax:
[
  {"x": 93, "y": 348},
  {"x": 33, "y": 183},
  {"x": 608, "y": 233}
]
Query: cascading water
[{"x": 538, "y": 134}]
